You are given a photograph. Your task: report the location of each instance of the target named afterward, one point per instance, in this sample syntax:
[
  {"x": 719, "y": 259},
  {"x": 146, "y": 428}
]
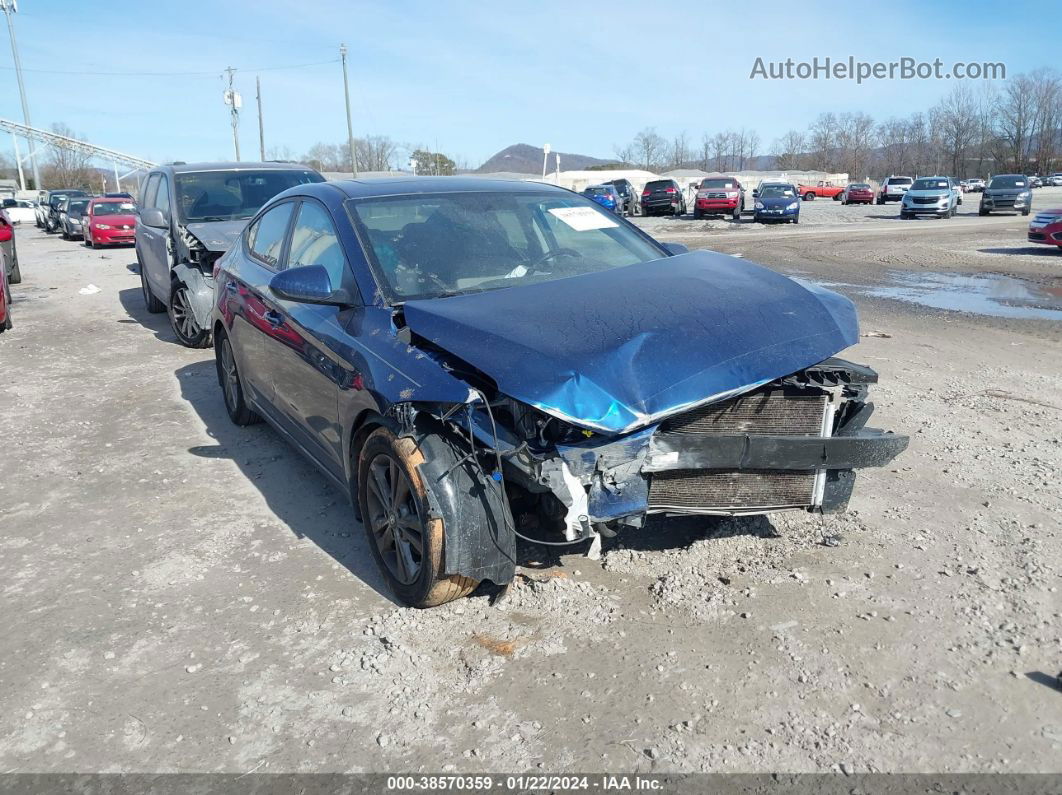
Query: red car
[
  {"x": 109, "y": 221},
  {"x": 1046, "y": 228},
  {"x": 858, "y": 193},
  {"x": 719, "y": 196},
  {"x": 7, "y": 234}
]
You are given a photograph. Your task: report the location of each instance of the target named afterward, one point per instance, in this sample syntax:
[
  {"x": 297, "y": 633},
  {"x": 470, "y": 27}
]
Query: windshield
[
  {"x": 930, "y": 184},
  {"x": 114, "y": 208},
  {"x": 722, "y": 184},
  {"x": 440, "y": 244},
  {"x": 1008, "y": 182},
  {"x": 77, "y": 206},
  {"x": 230, "y": 195},
  {"x": 777, "y": 192}
]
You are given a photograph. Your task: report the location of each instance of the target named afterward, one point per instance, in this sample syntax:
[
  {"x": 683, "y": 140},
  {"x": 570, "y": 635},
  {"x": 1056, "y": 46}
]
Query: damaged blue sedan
[{"x": 474, "y": 361}]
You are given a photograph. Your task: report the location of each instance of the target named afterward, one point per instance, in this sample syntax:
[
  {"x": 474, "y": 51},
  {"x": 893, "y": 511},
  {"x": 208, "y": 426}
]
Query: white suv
[{"x": 893, "y": 189}]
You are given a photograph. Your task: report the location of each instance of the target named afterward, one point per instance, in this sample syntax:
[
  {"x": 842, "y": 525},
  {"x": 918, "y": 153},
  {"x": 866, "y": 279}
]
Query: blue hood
[
  {"x": 778, "y": 203},
  {"x": 618, "y": 350}
]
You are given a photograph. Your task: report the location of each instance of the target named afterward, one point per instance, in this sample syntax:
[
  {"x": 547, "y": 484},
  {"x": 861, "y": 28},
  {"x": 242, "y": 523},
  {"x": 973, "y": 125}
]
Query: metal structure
[
  {"x": 350, "y": 128},
  {"x": 34, "y": 134},
  {"x": 9, "y": 7}
]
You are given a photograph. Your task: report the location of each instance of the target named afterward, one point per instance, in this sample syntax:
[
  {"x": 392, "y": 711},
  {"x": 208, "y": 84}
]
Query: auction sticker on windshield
[{"x": 582, "y": 219}]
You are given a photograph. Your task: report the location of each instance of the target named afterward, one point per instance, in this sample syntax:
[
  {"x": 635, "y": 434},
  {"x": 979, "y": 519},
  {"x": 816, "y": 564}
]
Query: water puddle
[{"x": 984, "y": 294}]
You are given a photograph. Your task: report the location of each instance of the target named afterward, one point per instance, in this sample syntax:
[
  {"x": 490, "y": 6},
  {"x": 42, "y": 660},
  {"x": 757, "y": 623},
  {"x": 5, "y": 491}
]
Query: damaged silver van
[{"x": 190, "y": 213}]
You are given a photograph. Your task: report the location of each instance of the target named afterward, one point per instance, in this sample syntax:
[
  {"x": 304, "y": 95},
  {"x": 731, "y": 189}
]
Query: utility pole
[
  {"x": 261, "y": 128},
  {"x": 235, "y": 101},
  {"x": 9, "y": 7},
  {"x": 350, "y": 128}
]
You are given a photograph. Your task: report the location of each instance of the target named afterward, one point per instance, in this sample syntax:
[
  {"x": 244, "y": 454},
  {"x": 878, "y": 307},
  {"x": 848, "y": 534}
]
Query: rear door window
[{"x": 266, "y": 235}]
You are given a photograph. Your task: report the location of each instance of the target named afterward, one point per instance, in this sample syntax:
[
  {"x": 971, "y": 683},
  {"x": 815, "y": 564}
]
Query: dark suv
[
  {"x": 627, "y": 193},
  {"x": 48, "y": 207},
  {"x": 189, "y": 215},
  {"x": 663, "y": 196}
]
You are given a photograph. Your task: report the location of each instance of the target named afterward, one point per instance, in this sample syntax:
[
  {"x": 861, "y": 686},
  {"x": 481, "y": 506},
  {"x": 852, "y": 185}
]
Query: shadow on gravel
[
  {"x": 1026, "y": 251},
  {"x": 317, "y": 511},
  {"x": 132, "y": 300},
  {"x": 1053, "y": 682}
]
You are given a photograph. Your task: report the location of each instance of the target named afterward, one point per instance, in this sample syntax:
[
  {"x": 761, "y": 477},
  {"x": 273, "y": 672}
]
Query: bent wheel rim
[
  {"x": 183, "y": 319},
  {"x": 393, "y": 519}
]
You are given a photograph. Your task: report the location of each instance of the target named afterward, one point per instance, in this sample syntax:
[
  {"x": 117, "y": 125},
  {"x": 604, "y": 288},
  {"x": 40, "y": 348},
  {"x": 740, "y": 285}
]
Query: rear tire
[
  {"x": 232, "y": 385},
  {"x": 15, "y": 277},
  {"x": 405, "y": 540},
  {"x": 1025, "y": 211},
  {"x": 183, "y": 322},
  {"x": 982, "y": 211},
  {"x": 809, "y": 196},
  {"x": 154, "y": 305}
]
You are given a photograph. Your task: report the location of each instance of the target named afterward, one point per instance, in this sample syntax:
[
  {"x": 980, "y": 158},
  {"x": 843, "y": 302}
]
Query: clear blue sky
[{"x": 475, "y": 77}]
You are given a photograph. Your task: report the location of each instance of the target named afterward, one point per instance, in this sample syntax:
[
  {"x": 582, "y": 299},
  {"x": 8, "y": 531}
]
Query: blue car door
[{"x": 308, "y": 373}]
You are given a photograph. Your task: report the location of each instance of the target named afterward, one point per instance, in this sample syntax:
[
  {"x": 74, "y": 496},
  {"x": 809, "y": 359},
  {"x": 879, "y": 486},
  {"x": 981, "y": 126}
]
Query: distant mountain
[{"x": 527, "y": 159}]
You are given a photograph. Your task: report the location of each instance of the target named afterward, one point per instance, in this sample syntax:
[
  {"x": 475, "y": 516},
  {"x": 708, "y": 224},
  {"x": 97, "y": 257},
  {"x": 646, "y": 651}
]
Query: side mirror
[
  {"x": 755, "y": 193},
  {"x": 675, "y": 249},
  {"x": 153, "y": 217},
  {"x": 309, "y": 284}
]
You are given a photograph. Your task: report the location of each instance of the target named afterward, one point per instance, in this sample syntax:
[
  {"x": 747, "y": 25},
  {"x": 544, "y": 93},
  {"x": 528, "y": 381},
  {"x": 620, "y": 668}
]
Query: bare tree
[
  {"x": 789, "y": 151},
  {"x": 648, "y": 148},
  {"x": 68, "y": 168},
  {"x": 678, "y": 152},
  {"x": 955, "y": 121},
  {"x": 1015, "y": 119},
  {"x": 374, "y": 152},
  {"x": 823, "y": 140},
  {"x": 752, "y": 144}
]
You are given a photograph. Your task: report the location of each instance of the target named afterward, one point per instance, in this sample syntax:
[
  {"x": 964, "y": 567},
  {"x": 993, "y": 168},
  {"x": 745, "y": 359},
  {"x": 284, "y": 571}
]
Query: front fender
[{"x": 200, "y": 291}]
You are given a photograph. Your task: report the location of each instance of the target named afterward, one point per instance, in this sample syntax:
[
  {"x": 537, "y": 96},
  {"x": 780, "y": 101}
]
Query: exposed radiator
[{"x": 769, "y": 411}]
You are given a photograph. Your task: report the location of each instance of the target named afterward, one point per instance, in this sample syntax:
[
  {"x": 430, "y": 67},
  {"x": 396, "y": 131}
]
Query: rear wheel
[
  {"x": 809, "y": 196},
  {"x": 232, "y": 386},
  {"x": 183, "y": 321},
  {"x": 406, "y": 541},
  {"x": 697, "y": 215},
  {"x": 982, "y": 211},
  {"x": 154, "y": 305},
  {"x": 1025, "y": 211},
  {"x": 15, "y": 276}
]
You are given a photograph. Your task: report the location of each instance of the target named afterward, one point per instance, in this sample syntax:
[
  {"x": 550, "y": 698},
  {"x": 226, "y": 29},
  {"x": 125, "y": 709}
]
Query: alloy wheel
[
  {"x": 183, "y": 318},
  {"x": 394, "y": 519},
  {"x": 229, "y": 379}
]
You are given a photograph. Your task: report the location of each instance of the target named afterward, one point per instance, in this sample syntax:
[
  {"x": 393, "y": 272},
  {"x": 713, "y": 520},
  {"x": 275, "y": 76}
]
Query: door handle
[{"x": 274, "y": 318}]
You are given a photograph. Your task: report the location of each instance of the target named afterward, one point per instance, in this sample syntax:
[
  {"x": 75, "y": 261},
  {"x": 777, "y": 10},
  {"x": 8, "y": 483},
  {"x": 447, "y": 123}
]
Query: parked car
[
  {"x": 49, "y": 207},
  {"x": 975, "y": 185},
  {"x": 930, "y": 196},
  {"x": 628, "y": 194},
  {"x": 1035, "y": 181},
  {"x": 607, "y": 196},
  {"x": 777, "y": 202},
  {"x": 71, "y": 211},
  {"x": 1055, "y": 180},
  {"x": 719, "y": 196},
  {"x": 109, "y": 221},
  {"x": 9, "y": 250},
  {"x": 5, "y": 288},
  {"x": 893, "y": 189},
  {"x": 1046, "y": 227},
  {"x": 190, "y": 213},
  {"x": 663, "y": 196},
  {"x": 858, "y": 193},
  {"x": 822, "y": 188},
  {"x": 20, "y": 211},
  {"x": 366, "y": 321},
  {"x": 1007, "y": 192}
]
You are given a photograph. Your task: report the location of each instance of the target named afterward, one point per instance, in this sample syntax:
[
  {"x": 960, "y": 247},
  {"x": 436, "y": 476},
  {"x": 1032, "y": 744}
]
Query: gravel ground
[{"x": 183, "y": 595}]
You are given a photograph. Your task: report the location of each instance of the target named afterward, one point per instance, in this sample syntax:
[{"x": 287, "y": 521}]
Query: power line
[{"x": 214, "y": 73}]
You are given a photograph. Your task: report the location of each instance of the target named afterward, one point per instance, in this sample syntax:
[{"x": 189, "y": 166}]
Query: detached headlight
[
  {"x": 102, "y": 226},
  {"x": 759, "y": 206},
  {"x": 793, "y": 206}
]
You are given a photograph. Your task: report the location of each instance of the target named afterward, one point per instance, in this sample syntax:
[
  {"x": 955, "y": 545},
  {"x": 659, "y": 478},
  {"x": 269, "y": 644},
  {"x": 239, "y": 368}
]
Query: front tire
[
  {"x": 809, "y": 196},
  {"x": 15, "y": 277},
  {"x": 405, "y": 539},
  {"x": 183, "y": 322},
  {"x": 232, "y": 386}
]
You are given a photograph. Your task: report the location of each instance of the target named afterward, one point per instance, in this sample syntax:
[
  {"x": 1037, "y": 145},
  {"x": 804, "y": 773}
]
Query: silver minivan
[{"x": 188, "y": 216}]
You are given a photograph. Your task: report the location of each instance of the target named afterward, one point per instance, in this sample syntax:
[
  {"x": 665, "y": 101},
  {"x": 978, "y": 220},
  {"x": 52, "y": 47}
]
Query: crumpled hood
[
  {"x": 617, "y": 350},
  {"x": 217, "y": 235}
]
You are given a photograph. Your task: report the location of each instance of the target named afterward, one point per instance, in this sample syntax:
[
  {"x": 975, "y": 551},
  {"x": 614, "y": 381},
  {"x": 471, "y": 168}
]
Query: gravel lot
[{"x": 184, "y": 595}]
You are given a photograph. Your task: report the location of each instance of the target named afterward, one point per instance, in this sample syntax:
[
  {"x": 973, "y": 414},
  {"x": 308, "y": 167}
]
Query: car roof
[
  {"x": 397, "y": 186},
  {"x": 183, "y": 168}
]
